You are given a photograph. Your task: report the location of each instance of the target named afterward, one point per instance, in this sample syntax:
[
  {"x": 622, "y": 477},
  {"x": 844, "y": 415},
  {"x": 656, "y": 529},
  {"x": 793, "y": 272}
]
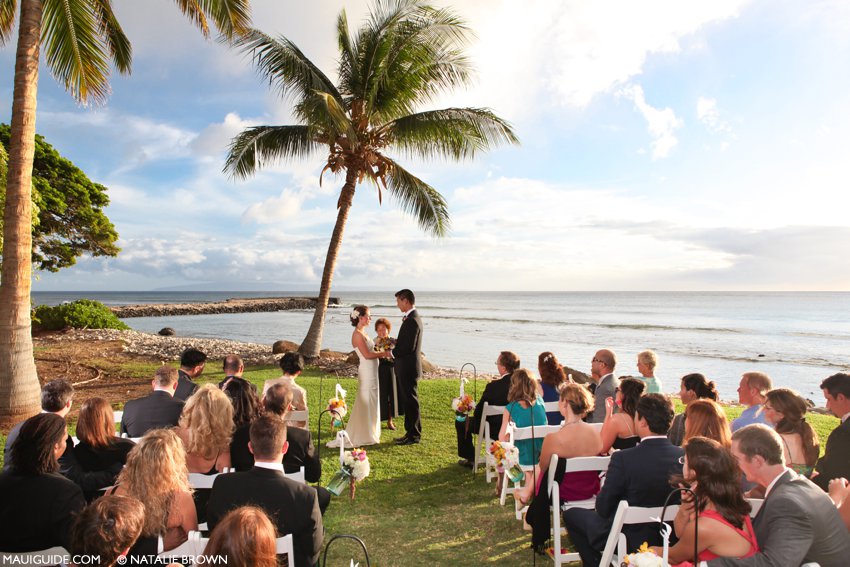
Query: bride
[{"x": 364, "y": 425}]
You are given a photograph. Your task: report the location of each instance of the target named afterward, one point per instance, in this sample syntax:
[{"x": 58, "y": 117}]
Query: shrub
[{"x": 83, "y": 313}]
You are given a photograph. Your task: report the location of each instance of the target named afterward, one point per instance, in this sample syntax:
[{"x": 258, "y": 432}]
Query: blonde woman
[
  {"x": 206, "y": 427},
  {"x": 156, "y": 475}
]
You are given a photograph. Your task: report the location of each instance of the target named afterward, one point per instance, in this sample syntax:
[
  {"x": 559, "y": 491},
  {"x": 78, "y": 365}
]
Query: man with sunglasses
[{"x": 602, "y": 374}]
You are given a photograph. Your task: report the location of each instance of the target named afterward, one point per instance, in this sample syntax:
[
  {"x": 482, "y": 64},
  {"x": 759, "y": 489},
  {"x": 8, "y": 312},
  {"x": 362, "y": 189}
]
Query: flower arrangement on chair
[
  {"x": 337, "y": 407},
  {"x": 463, "y": 406},
  {"x": 506, "y": 456},
  {"x": 643, "y": 557},
  {"x": 354, "y": 468}
]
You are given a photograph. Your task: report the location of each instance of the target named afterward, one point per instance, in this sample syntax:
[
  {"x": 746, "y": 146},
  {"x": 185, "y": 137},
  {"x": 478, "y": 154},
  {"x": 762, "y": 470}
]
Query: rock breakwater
[{"x": 253, "y": 305}]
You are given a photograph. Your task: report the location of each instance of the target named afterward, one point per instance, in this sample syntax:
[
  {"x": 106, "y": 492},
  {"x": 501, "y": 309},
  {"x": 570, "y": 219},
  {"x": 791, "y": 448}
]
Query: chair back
[
  {"x": 755, "y": 506},
  {"x": 551, "y": 406},
  {"x": 200, "y": 481},
  {"x": 629, "y": 515},
  {"x": 283, "y": 546},
  {"x": 192, "y": 547},
  {"x": 296, "y": 476},
  {"x": 119, "y": 415},
  {"x": 523, "y": 434},
  {"x": 484, "y": 438},
  {"x": 575, "y": 464},
  {"x": 298, "y": 415}
]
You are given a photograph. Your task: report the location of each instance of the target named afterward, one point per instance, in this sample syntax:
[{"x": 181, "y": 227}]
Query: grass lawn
[{"x": 418, "y": 507}]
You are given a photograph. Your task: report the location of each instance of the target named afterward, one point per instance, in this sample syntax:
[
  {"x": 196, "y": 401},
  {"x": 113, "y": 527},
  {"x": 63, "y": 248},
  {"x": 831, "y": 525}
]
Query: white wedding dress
[{"x": 364, "y": 424}]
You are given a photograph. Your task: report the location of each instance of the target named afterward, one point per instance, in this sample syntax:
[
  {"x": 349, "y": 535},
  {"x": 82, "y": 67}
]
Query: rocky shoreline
[
  {"x": 169, "y": 348},
  {"x": 253, "y": 305}
]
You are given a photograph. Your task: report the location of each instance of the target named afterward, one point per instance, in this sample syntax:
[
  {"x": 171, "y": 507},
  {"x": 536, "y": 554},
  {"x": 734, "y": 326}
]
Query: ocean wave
[
  {"x": 814, "y": 335},
  {"x": 562, "y": 323}
]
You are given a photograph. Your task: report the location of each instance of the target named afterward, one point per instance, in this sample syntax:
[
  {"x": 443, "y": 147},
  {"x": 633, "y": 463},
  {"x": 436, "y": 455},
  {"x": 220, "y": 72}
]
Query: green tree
[
  {"x": 402, "y": 57},
  {"x": 80, "y": 38},
  {"x": 68, "y": 218}
]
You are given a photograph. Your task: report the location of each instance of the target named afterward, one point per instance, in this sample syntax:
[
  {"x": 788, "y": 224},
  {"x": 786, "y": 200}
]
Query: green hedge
[{"x": 80, "y": 314}]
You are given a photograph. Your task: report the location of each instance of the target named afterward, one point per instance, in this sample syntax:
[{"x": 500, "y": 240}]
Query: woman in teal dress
[{"x": 525, "y": 407}]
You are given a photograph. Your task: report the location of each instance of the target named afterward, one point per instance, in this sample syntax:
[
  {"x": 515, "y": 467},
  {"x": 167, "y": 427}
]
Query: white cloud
[
  {"x": 287, "y": 205},
  {"x": 709, "y": 115},
  {"x": 662, "y": 123}
]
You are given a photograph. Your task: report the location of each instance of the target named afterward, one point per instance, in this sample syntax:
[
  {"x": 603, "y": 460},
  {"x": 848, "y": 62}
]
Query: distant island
[{"x": 256, "y": 305}]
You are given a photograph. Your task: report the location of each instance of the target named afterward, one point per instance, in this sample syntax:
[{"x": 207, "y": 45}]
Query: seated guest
[
  {"x": 618, "y": 429},
  {"x": 524, "y": 409},
  {"x": 639, "y": 475},
  {"x": 192, "y": 363},
  {"x": 646, "y": 363},
  {"x": 552, "y": 375},
  {"x": 245, "y": 537},
  {"x": 797, "y": 522},
  {"x": 158, "y": 409},
  {"x": 156, "y": 475},
  {"x": 724, "y": 528},
  {"x": 602, "y": 376},
  {"x": 575, "y": 439},
  {"x": 107, "y": 528},
  {"x": 300, "y": 452},
  {"x": 705, "y": 418},
  {"x": 834, "y": 463},
  {"x": 293, "y": 505},
  {"x": 839, "y": 493},
  {"x": 99, "y": 447},
  {"x": 693, "y": 387},
  {"x": 38, "y": 503},
  {"x": 246, "y": 408},
  {"x": 496, "y": 394},
  {"x": 752, "y": 390},
  {"x": 233, "y": 367},
  {"x": 57, "y": 397},
  {"x": 292, "y": 365},
  {"x": 206, "y": 427},
  {"x": 785, "y": 411}
]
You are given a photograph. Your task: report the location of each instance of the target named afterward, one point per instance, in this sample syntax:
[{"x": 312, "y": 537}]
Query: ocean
[{"x": 797, "y": 338}]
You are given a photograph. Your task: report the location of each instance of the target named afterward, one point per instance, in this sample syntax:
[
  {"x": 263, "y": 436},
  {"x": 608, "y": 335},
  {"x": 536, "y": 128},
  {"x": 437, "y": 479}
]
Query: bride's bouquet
[
  {"x": 383, "y": 344},
  {"x": 463, "y": 406},
  {"x": 643, "y": 557},
  {"x": 506, "y": 456},
  {"x": 337, "y": 407},
  {"x": 354, "y": 468}
]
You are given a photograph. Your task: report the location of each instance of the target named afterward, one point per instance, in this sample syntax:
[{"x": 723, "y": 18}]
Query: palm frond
[
  {"x": 74, "y": 50},
  {"x": 231, "y": 17},
  {"x": 7, "y": 19},
  {"x": 267, "y": 143},
  {"x": 337, "y": 118},
  {"x": 286, "y": 67},
  {"x": 349, "y": 78},
  {"x": 456, "y": 133},
  {"x": 418, "y": 199},
  {"x": 120, "y": 50}
]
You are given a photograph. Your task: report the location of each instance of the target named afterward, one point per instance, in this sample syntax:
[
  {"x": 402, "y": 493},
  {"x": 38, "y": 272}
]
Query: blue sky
[{"x": 668, "y": 144}]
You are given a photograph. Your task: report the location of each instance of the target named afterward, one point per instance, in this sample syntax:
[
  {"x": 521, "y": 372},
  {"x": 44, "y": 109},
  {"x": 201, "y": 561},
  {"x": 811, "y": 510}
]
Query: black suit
[
  {"x": 156, "y": 410},
  {"x": 496, "y": 394},
  {"x": 797, "y": 524},
  {"x": 408, "y": 371},
  {"x": 89, "y": 480},
  {"x": 835, "y": 462},
  {"x": 36, "y": 511},
  {"x": 291, "y": 505},
  {"x": 301, "y": 453},
  {"x": 185, "y": 387},
  {"x": 641, "y": 476}
]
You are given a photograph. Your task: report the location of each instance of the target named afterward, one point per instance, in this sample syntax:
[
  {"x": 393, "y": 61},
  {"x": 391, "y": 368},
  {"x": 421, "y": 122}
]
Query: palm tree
[
  {"x": 404, "y": 55},
  {"x": 80, "y": 39}
]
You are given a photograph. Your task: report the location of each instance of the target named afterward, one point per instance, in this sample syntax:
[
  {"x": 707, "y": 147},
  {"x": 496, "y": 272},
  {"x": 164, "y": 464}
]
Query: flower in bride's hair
[
  {"x": 355, "y": 314},
  {"x": 548, "y": 357}
]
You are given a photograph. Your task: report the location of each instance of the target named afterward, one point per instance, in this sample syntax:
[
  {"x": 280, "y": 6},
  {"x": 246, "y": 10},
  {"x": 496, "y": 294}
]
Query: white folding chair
[
  {"x": 192, "y": 547},
  {"x": 204, "y": 481},
  {"x": 576, "y": 464},
  {"x": 296, "y": 476},
  {"x": 522, "y": 434},
  {"x": 485, "y": 438},
  {"x": 283, "y": 546},
  {"x": 298, "y": 415},
  {"x": 119, "y": 415},
  {"x": 629, "y": 515},
  {"x": 755, "y": 505}
]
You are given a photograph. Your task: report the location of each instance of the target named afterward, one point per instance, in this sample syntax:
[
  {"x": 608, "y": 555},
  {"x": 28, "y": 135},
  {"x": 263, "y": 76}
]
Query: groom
[{"x": 408, "y": 365}]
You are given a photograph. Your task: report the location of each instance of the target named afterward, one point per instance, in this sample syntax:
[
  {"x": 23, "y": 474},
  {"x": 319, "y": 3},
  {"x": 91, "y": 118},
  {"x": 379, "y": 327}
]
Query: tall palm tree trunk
[
  {"x": 19, "y": 386},
  {"x": 312, "y": 343}
]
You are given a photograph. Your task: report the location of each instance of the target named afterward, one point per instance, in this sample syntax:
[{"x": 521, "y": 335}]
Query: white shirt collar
[
  {"x": 271, "y": 466},
  {"x": 772, "y": 482},
  {"x": 168, "y": 391},
  {"x": 652, "y": 437},
  {"x": 409, "y": 311},
  {"x": 845, "y": 416}
]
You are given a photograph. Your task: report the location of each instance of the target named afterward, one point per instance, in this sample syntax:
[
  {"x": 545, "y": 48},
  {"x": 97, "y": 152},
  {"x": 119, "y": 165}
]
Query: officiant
[{"x": 388, "y": 391}]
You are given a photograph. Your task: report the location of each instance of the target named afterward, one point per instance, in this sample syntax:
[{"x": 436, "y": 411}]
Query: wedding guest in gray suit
[
  {"x": 797, "y": 523},
  {"x": 602, "y": 374}
]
